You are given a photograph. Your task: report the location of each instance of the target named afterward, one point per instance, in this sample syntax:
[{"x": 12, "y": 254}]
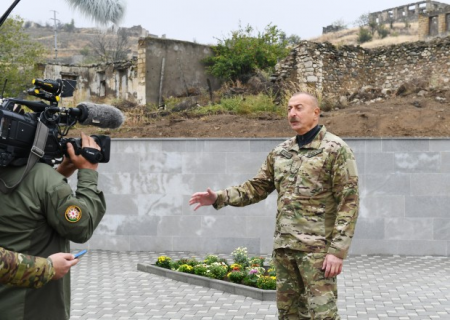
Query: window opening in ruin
[
  {"x": 447, "y": 22},
  {"x": 122, "y": 84},
  {"x": 433, "y": 26},
  {"x": 422, "y": 7},
  {"x": 72, "y": 77},
  {"x": 101, "y": 84}
]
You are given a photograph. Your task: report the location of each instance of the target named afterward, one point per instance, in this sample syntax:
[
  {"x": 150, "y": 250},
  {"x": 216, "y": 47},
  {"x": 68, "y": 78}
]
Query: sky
[{"x": 205, "y": 21}]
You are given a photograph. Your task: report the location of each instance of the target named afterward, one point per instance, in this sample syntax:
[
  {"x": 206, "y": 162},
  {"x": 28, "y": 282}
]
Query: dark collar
[{"x": 307, "y": 137}]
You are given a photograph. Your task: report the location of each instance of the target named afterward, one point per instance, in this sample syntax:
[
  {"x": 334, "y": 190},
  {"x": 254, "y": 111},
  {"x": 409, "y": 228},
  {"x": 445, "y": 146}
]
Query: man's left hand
[{"x": 332, "y": 266}]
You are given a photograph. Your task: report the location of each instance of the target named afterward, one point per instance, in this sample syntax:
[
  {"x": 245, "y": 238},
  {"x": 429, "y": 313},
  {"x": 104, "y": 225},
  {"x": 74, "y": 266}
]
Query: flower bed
[{"x": 246, "y": 276}]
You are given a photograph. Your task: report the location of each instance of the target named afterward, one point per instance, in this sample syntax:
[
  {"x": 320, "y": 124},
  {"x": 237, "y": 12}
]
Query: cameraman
[
  {"x": 39, "y": 218},
  {"x": 22, "y": 270}
]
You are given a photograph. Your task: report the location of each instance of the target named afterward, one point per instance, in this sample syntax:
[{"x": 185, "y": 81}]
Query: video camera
[{"x": 18, "y": 128}]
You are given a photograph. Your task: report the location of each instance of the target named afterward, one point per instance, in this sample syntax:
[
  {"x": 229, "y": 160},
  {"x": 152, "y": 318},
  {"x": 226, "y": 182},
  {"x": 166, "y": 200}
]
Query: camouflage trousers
[{"x": 303, "y": 292}]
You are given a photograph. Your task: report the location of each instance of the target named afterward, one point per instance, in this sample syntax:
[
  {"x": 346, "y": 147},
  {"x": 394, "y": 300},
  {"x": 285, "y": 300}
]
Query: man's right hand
[
  {"x": 62, "y": 262},
  {"x": 79, "y": 161},
  {"x": 203, "y": 198}
]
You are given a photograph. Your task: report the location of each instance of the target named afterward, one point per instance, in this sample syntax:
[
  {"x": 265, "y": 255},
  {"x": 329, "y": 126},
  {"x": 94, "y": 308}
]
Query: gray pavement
[{"x": 107, "y": 285}]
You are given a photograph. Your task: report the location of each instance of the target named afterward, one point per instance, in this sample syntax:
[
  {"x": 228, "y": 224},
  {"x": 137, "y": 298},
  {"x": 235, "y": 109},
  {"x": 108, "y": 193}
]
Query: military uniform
[
  {"x": 39, "y": 218},
  {"x": 317, "y": 209},
  {"x": 21, "y": 270}
]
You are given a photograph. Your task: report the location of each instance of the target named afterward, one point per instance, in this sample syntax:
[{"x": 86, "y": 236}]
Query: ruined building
[
  {"x": 407, "y": 12},
  {"x": 434, "y": 23},
  {"x": 163, "y": 68}
]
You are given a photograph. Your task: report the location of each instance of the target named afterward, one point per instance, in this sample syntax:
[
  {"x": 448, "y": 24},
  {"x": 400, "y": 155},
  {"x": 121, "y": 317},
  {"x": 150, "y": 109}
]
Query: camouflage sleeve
[
  {"x": 345, "y": 191},
  {"x": 21, "y": 270},
  {"x": 251, "y": 191}
]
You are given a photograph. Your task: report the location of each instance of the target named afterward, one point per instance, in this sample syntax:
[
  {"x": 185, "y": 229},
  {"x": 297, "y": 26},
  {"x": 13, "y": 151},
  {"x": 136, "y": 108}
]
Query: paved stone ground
[{"x": 107, "y": 285}]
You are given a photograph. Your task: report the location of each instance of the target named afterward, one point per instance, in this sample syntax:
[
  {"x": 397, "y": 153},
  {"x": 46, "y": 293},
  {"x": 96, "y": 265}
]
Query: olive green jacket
[
  {"x": 317, "y": 189},
  {"x": 22, "y": 270},
  {"x": 39, "y": 218}
]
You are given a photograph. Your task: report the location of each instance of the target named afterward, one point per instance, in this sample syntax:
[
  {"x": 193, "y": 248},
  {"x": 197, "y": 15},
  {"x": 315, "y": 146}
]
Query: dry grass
[
  {"x": 389, "y": 41},
  {"x": 399, "y": 33}
]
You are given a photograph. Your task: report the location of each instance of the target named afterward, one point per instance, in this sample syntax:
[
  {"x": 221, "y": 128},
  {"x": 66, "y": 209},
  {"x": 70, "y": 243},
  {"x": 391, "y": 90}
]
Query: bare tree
[{"x": 111, "y": 46}]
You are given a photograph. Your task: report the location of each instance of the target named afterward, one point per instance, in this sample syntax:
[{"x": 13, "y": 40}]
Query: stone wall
[
  {"x": 333, "y": 72},
  {"x": 404, "y": 190}
]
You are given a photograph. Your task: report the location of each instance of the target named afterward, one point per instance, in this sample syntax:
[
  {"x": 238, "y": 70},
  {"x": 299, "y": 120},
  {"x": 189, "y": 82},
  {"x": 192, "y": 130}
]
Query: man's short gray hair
[{"x": 314, "y": 100}]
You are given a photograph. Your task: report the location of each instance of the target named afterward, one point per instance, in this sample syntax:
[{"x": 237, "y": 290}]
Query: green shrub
[
  {"x": 382, "y": 32},
  {"x": 256, "y": 261},
  {"x": 364, "y": 35},
  {"x": 164, "y": 262},
  {"x": 209, "y": 259},
  {"x": 217, "y": 270},
  {"x": 201, "y": 269},
  {"x": 240, "y": 256},
  {"x": 244, "y": 53},
  {"x": 186, "y": 268},
  {"x": 267, "y": 283},
  {"x": 236, "y": 276}
]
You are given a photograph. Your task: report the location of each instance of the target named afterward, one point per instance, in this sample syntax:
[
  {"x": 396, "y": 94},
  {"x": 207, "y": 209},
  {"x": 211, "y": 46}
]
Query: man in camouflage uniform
[
  {"x": 316, "y": 179},
  {"x": 21, "y": 270}
]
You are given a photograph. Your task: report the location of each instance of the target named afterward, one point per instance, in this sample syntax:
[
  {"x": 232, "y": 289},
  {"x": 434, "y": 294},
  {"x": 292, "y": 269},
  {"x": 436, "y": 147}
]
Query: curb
[{"x": 229, "y": 287}]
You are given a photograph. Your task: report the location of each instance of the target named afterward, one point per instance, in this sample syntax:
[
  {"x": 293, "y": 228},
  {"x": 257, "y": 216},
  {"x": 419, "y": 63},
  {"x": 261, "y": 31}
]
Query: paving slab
[{"x": 107, "y": 285}]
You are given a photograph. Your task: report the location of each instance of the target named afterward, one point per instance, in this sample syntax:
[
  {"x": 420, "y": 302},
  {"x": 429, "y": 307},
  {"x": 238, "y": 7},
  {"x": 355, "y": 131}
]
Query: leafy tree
[
  {"x": 244, "y": 53},
  {"x": 364, "y": 35},
  {"x": 292, "y": 40},
  {"x": 19, "y": 56},
  {"x": 373, "y": 25},
  {"x": 70, "y": 27},
  {"x": 363, "y": 20}
]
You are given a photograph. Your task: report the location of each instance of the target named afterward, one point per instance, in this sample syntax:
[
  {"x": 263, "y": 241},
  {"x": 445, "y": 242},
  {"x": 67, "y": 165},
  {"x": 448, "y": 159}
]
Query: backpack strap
[{"x": 37, "y": 152}]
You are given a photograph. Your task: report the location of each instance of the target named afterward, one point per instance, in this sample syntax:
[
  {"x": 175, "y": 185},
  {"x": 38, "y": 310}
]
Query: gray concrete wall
[{"x": 404, "y": 188}]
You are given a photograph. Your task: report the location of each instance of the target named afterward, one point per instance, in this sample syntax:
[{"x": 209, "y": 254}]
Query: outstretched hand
[{"x": 203, "y": 198}]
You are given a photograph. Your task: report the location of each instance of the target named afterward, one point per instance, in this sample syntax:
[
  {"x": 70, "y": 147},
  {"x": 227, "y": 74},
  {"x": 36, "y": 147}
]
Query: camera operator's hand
[
  {"x": 79, "y": 161},
  {"x": 66, "y": 167}
]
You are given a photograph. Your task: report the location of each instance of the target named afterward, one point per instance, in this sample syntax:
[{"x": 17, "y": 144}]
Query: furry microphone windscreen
[{"x": 101, "y": 11}]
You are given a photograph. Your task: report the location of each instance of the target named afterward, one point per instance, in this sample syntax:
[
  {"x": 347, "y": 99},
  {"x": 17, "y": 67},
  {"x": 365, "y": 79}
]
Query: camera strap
[{"x": 37, "y": 152}]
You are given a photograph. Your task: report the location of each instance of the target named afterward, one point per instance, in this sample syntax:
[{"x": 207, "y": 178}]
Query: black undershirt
[{"x": 307, "y": 137}]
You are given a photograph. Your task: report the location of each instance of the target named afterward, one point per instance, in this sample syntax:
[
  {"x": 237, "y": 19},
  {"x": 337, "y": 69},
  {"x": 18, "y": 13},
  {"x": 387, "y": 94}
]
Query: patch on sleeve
[
  {"x": 352, "y": 169},
  {"x": 73, "y": 214}
]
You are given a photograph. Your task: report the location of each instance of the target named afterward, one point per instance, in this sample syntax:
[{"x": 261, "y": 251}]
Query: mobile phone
[{"x": 80, "y": 254}]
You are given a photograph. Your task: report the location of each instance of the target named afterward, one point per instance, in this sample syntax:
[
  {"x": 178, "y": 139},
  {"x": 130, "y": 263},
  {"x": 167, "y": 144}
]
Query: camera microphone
[{"x": 99, "y": 115}]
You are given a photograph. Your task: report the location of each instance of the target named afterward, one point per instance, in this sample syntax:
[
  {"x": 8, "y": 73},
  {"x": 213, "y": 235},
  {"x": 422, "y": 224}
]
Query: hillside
[
  {"x": 74, "y": 47},
  {"x": 399, "y": 33},
  {"x": 419, "y": 114}
]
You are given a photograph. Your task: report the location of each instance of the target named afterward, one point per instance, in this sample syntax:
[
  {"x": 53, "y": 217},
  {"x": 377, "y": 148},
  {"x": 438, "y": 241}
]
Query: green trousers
[{"x": 303, "y": 292}]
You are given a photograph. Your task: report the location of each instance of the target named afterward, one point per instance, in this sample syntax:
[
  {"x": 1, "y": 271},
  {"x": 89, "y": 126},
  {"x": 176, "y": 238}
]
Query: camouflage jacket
[
  {"x": 318, "y": 198},
  {"x": 21, "y": 270}
]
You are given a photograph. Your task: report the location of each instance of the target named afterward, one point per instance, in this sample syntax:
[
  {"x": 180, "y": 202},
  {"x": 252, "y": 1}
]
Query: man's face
[{"x": 303, "y": 115}]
